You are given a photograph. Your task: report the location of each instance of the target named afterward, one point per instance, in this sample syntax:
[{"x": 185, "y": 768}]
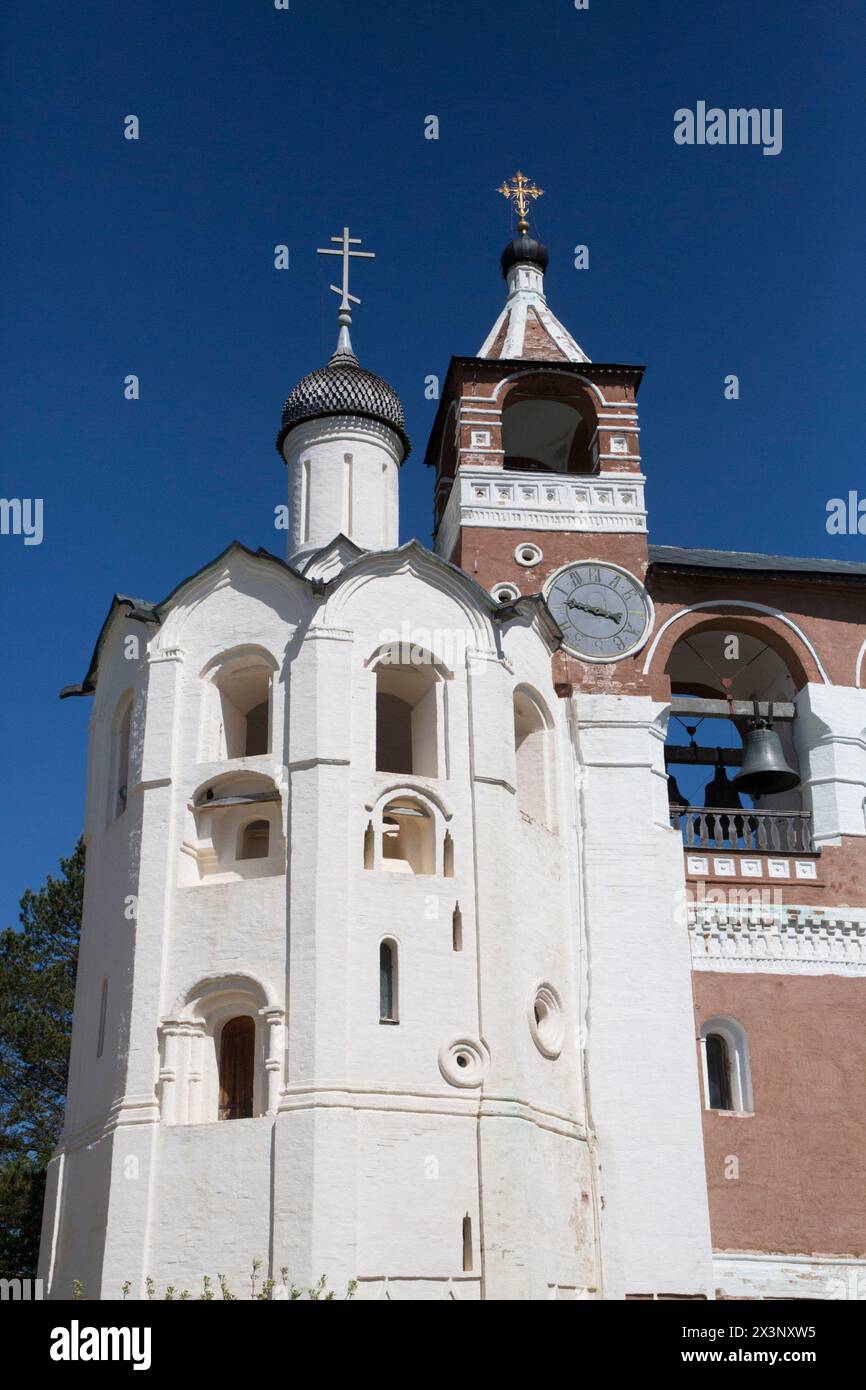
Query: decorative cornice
[
  {"x": 785, "y": 940},
  {"x": 527, "y": 501}
]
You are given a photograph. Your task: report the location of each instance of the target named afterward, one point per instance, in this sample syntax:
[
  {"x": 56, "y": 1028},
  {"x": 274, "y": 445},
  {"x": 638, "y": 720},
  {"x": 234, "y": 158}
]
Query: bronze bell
[
  {"x": 764, "y": 771},
  {"x": 675, "y": 796},
  {"x": 720, "y": 791}
]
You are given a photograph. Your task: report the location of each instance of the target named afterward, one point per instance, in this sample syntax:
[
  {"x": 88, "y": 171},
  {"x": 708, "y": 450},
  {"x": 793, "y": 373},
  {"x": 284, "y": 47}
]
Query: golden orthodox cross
[{"x": 518, "y": 191}]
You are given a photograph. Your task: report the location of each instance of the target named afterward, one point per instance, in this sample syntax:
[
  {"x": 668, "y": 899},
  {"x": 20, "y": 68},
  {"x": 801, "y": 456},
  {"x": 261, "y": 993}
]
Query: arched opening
[
  {"x": 369, "y": 845},
  {"x": 408, "y": 838},
  {"x": 233, "y": 830},
  {"x": 718, "y": 671},
  {"x": 530, "y": 745},
  {"x": 242, "y": 685},
  {"x": 254, "y": 840},
  {"x": 727, "y": 1069},
  {"x": 409, "y": 713},
  {"x": 388, "y": 982},
  {"x": 237, "y": 1055},
  {"x": 538, "y": 436},
  {"x": 549, "y": 424},
  {"x": 222, "y": 1053}
]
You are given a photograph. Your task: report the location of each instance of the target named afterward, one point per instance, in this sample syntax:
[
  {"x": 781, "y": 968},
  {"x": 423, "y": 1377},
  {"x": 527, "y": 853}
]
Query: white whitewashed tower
[{"x": 340, "y": 1029}]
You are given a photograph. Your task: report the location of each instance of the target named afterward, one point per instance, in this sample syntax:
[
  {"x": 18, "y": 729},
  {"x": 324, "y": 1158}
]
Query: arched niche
[
  {"x": 549, "y": 424},
  {"x": 737, "y": 657},
  {"x": 221, "y": 1053},
  {"x": 411, "y": 712},
  {"x": 233, "y": 831},
  {"x": 237, "y": 709},
  {"x": 406, "y": 832},
  {"x": 533, "y": 757}
]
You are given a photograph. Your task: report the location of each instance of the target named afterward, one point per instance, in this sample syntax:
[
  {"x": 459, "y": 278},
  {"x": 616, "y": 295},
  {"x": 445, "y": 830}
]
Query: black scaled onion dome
[
  {"x": 344, "y": 387},
  {"x": 524, "y": 248}
]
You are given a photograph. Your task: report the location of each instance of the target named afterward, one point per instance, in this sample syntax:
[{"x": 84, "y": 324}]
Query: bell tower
[
  {"x": 536, "y": 448},
  {"x": 540, "y": 490}
]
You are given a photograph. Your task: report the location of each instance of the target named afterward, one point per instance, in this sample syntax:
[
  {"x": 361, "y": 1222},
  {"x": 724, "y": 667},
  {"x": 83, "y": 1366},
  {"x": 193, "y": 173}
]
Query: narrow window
[
  {"x": 387, "y": 982},
  {"x": 103, "y": 1009},
  {"x": 727, "y": 1071},
  {"x": 255, "y": 840},
  {"x": 448, "y": 856},
  {"x": 718, "y": 1072},
  {"x": 237, "y": 1069},
  {"x": 121, "y": 776},
  {"x": 457, "y": 929},
  {"x": 467, "y": 1243},
  {"x": 368, "y": 846}
]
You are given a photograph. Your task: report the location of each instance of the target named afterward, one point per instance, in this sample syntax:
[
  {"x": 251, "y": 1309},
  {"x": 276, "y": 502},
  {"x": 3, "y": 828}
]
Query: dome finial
[
  {"x": 344, "y": 350},
  {"x": 518, "y": 191}
]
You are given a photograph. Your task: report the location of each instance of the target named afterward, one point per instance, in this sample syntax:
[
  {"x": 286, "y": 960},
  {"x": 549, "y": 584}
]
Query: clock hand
[{"x": 596, "y": 612}]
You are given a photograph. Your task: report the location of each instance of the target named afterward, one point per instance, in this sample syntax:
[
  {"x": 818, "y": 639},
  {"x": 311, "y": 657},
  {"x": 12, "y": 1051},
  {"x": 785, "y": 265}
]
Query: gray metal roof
[
  {"x": 679, "y": 557},
  {"x": 344, "y": 387}
]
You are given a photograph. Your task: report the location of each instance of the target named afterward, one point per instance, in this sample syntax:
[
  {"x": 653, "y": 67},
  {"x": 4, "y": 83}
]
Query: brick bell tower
[
  {"x": 537, "y": 457},
  {"x": 539, "y": 490}
]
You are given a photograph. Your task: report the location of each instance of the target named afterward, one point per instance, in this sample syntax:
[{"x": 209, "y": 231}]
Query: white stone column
[
  {"x": 830, "y": 739},
  {"x": 170, "y": 1032},
  {"x": 643, "y": 1078},
  {"x": 134, "y": 1141},
  {"x": 196, "y": 1034},
  {"x": 274, "y": 1055},
  {"x": 315, "y": 1131}
]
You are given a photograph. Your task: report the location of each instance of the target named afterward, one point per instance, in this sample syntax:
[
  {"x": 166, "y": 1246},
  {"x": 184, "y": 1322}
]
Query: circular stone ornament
[
  {"x": 505, "y": 592},
  {"x": 464, "y": 1062},
  {"x": 528, "y": 554},
  {"x": 546, "y": 1020}
]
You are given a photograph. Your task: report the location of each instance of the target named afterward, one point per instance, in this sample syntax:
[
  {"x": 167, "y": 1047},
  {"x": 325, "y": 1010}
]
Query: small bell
[
  {"x": 675, "y": 796},
  {"x": 721, "y": 794},
  {"x": 721, "y": 791},
  {"x": 765, "y": 771}
]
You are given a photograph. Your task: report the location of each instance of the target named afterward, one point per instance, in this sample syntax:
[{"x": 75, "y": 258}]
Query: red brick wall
[{"x": 802, "y": 1156}]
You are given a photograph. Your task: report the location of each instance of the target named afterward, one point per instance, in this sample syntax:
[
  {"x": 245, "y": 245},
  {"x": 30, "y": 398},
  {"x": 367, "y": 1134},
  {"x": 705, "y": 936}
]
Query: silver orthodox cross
[{"x": 345, "y": 243}]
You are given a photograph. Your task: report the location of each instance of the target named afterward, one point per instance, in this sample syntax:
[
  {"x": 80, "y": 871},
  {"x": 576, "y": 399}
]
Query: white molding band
[
  {"x": 746, "y": 938},
  {"x": 525, "y": 501},
  {"x": 755, "y": 1276}
]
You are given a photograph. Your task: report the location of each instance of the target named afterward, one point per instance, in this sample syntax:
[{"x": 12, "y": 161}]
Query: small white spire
[{"x": 344, "y": 349}]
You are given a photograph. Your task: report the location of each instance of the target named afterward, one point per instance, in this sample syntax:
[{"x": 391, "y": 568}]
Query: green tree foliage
[{"x": 37, "y": 988}]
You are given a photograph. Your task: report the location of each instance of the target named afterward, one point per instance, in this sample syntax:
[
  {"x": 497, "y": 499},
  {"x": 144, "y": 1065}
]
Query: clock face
[{"x": 604, "y": 612}]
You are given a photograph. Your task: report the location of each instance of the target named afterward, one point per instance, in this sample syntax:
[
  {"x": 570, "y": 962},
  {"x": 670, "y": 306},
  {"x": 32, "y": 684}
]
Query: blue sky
[{"x": 261, "y": 127}]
